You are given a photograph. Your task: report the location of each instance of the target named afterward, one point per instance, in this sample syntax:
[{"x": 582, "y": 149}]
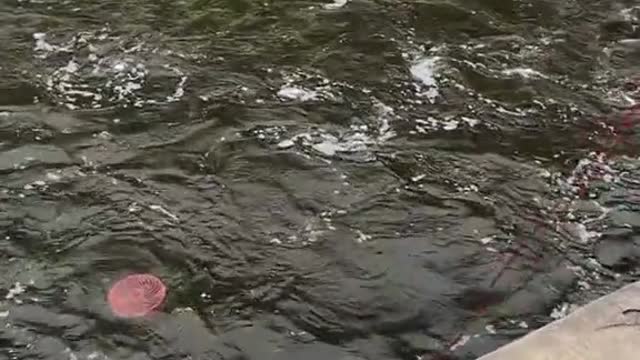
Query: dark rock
[
  {"x": 618, "y": 254},
  {"x": 71, "y": 326},
  {"x": 477, "y": 298},
  {"x": 622, "y": 219},
  {"x": 421, "y": 343},
  {"x": 187, "y": 334},
  {"x": 260, "y": 343},
  {"x": 616, "y": 233},
  {"x": 33, "y": 154},
  {"x": 481, "y": 345},
  {"x": 373, "y": 347},
  {"x": 542, "y": 292},
  {"x": 49, "y": 348}
]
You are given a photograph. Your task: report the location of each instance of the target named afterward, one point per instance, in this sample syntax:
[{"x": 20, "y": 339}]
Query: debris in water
[
  {"x": 164, "y": 211},
  {"x": 136, "y": 295}
]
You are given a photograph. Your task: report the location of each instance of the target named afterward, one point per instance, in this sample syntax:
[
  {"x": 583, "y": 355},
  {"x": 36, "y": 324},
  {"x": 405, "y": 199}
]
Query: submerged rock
[
  {"x": 618, "y": 254},
  {"x": 28, "y": 155}
]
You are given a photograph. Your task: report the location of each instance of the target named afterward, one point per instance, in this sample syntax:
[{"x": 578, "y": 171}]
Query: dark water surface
[{"x": 350, "y": 180}]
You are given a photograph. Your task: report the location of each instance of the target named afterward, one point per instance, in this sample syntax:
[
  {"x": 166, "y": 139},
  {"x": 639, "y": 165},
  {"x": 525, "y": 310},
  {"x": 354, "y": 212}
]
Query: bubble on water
[{"x": 467, "y": 188}]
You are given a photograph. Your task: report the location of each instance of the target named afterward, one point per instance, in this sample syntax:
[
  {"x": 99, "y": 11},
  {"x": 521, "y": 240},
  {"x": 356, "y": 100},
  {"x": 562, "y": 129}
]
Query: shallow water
[{"x": 340, "y": 180}]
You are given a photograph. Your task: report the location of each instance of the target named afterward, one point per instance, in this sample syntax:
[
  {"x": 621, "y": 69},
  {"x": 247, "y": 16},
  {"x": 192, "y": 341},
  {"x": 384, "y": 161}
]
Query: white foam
[
  {"x": 585, "y": 235},
  {"x": 471, "y": 122},
  {"x": 179, "y": 90},
  {"x": 362, "y": 237},
  {"x": 121, "y": 74},
  {"x": 330, "y": 145},
  {"x": 285, "y": 144},
  {"x": 384, "y": 116},
  {"x": 42, "y": 45},
  {"x": 424, "y": 70},
  {"x": 71, "y": 67},
  {"x": 562, "y": 310},
  {"x": 629, "y": 14},
  {"x": 297, "y": 93},
  {"x": 357, "y": 139},
  {"x": 461, "y": 342},
  {"x": 17, "y": 289},
  {"x": 450, "y": 125},
  {"x": 336, "y": 4},
  {"x": 524, "y": 72},
  {"x": 486, "y": 240}
]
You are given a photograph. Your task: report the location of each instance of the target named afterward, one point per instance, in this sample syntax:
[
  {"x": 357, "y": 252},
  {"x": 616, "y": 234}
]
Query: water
[{"x": 347, "y": 180}]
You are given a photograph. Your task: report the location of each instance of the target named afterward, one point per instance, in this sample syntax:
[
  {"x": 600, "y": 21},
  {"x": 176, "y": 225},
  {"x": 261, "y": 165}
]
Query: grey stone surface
[{"x": 604, "y": 329}]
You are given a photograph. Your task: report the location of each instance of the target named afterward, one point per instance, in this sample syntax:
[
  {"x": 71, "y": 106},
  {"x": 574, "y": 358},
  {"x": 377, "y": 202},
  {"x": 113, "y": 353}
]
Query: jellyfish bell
[{"x": 136, "y": 295}]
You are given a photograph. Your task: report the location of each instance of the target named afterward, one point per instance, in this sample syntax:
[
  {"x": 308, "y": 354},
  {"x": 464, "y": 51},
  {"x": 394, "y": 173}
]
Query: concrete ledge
[{"x": 605, "y": 329}]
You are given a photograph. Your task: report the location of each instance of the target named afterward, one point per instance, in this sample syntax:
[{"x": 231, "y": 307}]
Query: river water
[{"x": 358, "y": 179}]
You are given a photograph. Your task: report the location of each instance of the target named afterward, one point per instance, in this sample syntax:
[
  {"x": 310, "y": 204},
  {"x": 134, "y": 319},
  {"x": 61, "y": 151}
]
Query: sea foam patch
[{"x": 96, "y": 69}]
